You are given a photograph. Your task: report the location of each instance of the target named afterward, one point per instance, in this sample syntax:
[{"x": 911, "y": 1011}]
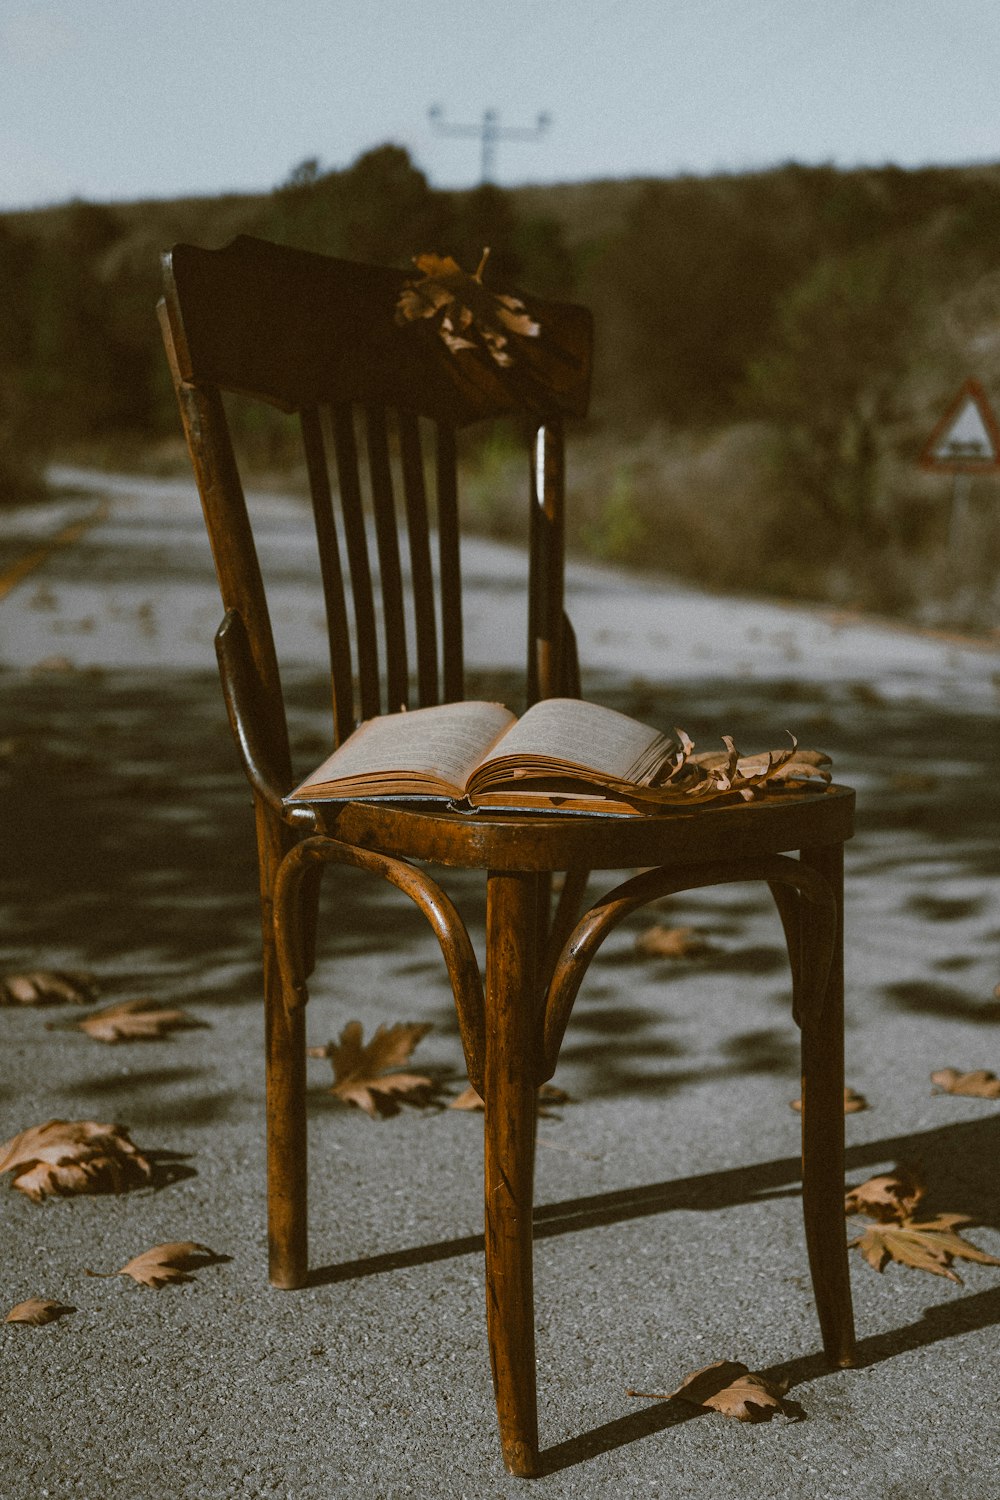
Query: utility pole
[{"x": 488, "y": 132}]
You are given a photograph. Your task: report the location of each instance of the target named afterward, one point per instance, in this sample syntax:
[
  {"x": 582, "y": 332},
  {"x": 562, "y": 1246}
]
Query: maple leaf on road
[
  {"x": 853, "y": 1102},
  {"x": 361, "y": 1070},
  {"x": 980, "y": 1084},
  {"x": 133, "y": 1021},
  {"x": 47, "y": 987},
  {"x": 892, "y": 1195},
  {"x": 165, "y": 1263},
  {"x": 36, "y": 1311},
  {"x": 671, "y": 942},
  {"x": 729, "y": 1387},
  {"x": 63, "y": 1157},
  {"x": 548, "y": 1094},
  {"x": 926, "y": 1246}
]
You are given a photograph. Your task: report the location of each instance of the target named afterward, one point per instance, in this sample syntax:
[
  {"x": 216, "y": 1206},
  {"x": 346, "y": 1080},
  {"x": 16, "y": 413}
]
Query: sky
[{"x": 114, "y": 100}]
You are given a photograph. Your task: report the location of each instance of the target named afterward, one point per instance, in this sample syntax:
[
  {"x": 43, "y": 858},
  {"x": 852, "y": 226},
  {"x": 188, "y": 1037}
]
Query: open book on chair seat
[{"x": 563, "y": 754}]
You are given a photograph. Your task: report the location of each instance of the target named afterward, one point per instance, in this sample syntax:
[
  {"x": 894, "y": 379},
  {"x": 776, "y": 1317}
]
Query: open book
[{"x": 562, "y": 755}]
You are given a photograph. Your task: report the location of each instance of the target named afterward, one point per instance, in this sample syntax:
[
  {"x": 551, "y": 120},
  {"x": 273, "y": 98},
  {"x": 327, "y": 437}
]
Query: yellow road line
[{"x": 19, "y": 570}]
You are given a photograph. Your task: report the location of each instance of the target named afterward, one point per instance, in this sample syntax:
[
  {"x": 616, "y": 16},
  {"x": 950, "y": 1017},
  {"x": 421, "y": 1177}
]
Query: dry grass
[{"x": 714, "y": 507}]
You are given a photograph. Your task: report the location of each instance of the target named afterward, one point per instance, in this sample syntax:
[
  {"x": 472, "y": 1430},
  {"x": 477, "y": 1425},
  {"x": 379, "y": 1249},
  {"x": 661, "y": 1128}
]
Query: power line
[{"x": 488, "y": 132}]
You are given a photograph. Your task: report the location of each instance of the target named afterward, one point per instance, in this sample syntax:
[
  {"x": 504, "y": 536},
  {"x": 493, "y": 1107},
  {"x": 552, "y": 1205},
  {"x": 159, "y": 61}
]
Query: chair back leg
[
  {"x": 823, "y": 1123},
  {"x": 285, "y": 1064}
]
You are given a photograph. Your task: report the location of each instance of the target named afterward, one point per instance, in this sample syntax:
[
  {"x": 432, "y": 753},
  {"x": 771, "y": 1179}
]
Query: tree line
[{"x": 827, "y": 312}]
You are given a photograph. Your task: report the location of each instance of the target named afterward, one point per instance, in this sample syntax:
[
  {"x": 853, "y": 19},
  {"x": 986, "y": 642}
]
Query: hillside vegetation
[{"x": 773, "y": 351}]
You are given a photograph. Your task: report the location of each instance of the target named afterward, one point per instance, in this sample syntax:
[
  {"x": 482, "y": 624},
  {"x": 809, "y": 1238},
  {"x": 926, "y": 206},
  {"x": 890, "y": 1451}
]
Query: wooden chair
[{"x": 314, "y": 335}]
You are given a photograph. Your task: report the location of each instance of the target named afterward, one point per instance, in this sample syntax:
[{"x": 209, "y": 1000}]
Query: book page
[
  {"x": 442, "y": 744},
  {"x": 568, "y": 731}
]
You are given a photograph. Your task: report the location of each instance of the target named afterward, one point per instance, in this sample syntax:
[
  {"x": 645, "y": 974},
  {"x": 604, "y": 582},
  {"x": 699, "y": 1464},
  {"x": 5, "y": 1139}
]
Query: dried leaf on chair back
[
  {"x": 360, "y": 1073},
  {"x": 464, "y": 313}
]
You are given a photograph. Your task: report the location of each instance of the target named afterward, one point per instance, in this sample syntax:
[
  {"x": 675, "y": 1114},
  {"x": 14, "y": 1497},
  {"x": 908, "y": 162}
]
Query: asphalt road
[{"x": 668, "y": 1222}]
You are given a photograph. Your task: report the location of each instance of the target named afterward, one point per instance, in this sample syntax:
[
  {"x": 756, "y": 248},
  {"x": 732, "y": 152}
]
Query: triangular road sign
[{"x": 967, "y": 438}]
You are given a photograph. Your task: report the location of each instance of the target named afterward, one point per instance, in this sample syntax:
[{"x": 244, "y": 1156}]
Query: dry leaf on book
[
  {"x": 722, "y": 772},
  {"x": 63, "y": 1157},
  {"x": 548, "y": 1095},
  {"x": 36, "y": 1311},
  {"x": 361, "y": 1070},
  {"x": 165, "y": 1263},
  {"x": 729, "y": 1387},
  {"x": 48, "y": 987},
  {"x": 132, "y": 1021},
  {"x": 980, "y": 1084}
]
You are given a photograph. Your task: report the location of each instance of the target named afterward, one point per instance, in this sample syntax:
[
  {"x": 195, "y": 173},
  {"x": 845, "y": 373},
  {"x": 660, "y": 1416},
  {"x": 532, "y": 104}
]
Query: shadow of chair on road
[{"x": 963, "y": 1152}]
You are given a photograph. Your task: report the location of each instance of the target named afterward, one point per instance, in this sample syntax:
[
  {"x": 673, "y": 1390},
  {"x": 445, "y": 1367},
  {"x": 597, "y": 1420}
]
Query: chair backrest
[{"x": 318, "y": 336}]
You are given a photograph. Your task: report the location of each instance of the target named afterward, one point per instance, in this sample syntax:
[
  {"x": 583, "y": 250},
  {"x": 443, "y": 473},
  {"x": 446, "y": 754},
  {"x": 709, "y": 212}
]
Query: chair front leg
[
  {"x": 823, "y": 1123},
  {"x": 511, "y": 1063}
]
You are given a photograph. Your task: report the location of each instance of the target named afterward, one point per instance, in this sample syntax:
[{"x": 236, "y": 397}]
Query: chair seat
[{"x": 555, "y": 841}]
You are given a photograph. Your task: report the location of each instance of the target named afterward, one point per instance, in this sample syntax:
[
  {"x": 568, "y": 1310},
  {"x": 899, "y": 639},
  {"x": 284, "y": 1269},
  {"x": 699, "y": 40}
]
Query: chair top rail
[{"x": 300, "y": 329}]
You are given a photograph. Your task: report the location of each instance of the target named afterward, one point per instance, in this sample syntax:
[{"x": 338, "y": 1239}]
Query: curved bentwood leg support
[
  {"x": 594, "y": 926},
  {"x": 292, "y": 915},
  {"x": 285, "y": 1054},
  {"x": 289, "y": 925},
  {"x": 809, "y": 895},
  {"x": 823, "y": 1123},
  {"x": 509, "y": 1097}
]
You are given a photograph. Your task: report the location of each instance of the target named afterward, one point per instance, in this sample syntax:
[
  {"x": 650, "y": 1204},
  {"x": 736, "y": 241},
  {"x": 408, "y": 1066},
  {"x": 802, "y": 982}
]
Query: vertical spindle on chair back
[{"x": 318, "y": 336}]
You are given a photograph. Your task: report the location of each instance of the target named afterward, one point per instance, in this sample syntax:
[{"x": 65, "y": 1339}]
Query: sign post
[{"x": 965, "y": 442}]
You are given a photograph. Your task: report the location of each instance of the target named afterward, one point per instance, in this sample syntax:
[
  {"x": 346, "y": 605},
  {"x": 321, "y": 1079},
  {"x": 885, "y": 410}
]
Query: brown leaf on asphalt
[
  {"x": 360, "y": 1070},
  {"x": 548, "y": 1094},
  {"x": 980, "y": 1084},
  {"x": 892, "y": 1195},
  {"x": 729, "y": 1387},
  {"x": 63, "y": 1157},
  {"x": 853, "y": 1102},
  {"x": 47, "y": 987},
  {"x": 135, "y": 1021},
  {"x": 926, "y": 1246},
  {"x": 671, "y": 942},
  {"x": 467, "y": 1099},
  {"x": 913, "y": 781},
  {"x": 38, "y": 1310},
  {"x": 164, "y": 1263}
]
